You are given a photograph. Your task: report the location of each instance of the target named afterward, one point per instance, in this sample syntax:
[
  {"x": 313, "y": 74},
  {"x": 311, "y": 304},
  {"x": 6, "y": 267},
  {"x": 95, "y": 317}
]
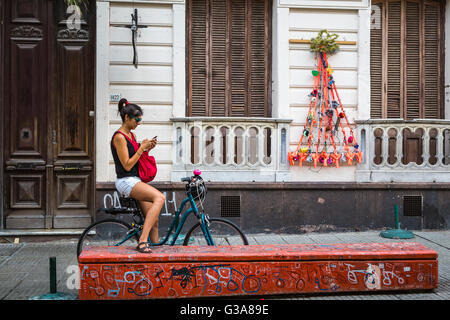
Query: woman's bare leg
[
  {"x": 145, "y": 192},
  {"x": 154, "y": 232}
]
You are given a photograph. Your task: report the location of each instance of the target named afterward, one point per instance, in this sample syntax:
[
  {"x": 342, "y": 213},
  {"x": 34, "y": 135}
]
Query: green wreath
[
  {"x": 325, "y": 43},
  {"x": 76, "y": 2}
]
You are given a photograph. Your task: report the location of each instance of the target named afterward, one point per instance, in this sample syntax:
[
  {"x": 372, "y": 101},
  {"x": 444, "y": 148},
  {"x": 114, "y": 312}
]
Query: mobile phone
[{"x": 154, "y": 137}]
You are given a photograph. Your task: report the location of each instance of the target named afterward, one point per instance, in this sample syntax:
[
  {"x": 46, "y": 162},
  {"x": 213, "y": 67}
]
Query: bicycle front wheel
[
  {"x": 223, "y": 233},
  {"x": 111, "y": 232}
]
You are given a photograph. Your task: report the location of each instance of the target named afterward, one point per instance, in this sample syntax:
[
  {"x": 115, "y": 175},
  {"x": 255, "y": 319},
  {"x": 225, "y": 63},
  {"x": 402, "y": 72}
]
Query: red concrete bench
[{"x": 170, "y": 272}]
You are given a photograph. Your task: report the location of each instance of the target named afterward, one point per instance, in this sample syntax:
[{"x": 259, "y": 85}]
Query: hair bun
[{"x": 122, "y": 103}]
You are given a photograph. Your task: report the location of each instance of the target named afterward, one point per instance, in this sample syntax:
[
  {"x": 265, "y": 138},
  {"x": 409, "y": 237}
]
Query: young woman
[{"x": 128, "y": 182}]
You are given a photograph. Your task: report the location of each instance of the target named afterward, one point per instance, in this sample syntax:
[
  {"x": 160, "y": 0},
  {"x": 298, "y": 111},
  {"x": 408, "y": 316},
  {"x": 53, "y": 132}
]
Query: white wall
[
  {"x": 305, "y": 23},
  {"x": 151, "y": 85},
  {"x": 158, "y": 85}
]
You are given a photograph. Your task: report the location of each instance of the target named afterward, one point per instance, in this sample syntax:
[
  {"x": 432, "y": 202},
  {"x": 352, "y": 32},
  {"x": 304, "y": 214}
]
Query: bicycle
[{"x": 207, "y": 231}]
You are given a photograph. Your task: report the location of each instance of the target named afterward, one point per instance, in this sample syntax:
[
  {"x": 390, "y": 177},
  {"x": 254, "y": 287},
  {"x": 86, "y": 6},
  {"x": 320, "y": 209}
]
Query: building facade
[{"x": 225, "y": 86}]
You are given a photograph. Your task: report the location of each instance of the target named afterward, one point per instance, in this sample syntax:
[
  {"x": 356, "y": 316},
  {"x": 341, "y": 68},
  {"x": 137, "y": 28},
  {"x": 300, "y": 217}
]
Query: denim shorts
[{"x": 125, "y": 185}]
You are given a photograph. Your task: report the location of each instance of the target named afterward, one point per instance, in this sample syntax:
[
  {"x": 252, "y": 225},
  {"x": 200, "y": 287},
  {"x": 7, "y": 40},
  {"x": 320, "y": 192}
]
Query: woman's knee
[{"x": 160, "y": 198}]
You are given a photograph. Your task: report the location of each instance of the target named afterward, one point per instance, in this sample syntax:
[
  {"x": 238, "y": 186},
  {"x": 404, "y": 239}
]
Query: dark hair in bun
[{"x": 130, "y": 109}]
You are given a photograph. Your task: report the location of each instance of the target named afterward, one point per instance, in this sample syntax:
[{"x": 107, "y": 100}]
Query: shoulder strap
[
  {"x": 124, "y": 135},
  {"x": 133, "y": 142},
  {"x": 118, "y": 131}
]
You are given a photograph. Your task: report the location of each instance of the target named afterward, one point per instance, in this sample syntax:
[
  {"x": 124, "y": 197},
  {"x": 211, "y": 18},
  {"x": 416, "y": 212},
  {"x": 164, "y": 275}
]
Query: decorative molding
[
  {"x": 27, "y": 32},
  {"x": 309, "y": 41},
  {"x": 325, "y": 4},
  {"x": 73, "y": 34}
]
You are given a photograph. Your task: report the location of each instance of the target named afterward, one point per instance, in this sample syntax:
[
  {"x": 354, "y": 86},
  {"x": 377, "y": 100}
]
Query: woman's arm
[{"x": 122, "y": 152}]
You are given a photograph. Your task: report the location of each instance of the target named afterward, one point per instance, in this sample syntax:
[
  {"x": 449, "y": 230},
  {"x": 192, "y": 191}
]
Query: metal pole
[
  {"x": 396, "y": 219},
  {"x": 52, "y": 274}
]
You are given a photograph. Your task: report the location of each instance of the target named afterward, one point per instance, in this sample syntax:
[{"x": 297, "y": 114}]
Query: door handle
[
  {"x": 72, "y": 167},
  {"x": 26, "y": 166}
]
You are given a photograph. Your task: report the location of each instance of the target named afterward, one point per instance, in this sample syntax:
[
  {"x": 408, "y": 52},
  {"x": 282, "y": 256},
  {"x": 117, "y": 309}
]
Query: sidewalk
[{"x": 24, "y": 267}]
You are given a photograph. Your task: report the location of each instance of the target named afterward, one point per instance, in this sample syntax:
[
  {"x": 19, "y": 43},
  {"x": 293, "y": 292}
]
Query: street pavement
[{"x": 24, "y": 266}]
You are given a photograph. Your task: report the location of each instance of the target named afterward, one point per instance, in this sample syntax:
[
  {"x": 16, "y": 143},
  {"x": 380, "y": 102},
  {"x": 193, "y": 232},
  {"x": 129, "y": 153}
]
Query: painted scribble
[
  {"x": 191, "y": 280},
  {"x": 169, "y": 276}
]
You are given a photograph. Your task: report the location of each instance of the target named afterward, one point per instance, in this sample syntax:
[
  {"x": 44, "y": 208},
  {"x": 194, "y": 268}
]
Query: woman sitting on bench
[{"x": 128, "y": 182}]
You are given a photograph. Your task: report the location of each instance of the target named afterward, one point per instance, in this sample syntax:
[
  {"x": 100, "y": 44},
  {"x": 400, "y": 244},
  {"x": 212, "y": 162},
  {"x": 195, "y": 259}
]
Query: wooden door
[{"x": 48, "y": 138}]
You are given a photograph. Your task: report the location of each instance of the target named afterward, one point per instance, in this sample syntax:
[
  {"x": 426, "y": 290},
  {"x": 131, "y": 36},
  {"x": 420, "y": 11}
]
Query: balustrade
[
  {"x": 231, "y": 149},
  {"x": 407, "y": 151}
]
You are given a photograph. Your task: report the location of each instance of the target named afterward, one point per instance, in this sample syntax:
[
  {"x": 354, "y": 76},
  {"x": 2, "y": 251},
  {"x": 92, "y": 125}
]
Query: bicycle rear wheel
[
  {"x": 223, "y": 233},
  {"x": 109, "y": 232}
]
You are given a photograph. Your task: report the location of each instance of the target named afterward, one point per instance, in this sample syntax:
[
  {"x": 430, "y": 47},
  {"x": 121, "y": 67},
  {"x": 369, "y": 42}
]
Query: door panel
[
  {"x": 28, "y": 11},
  {"x": 74, "y": 96},
  {"x": 73, "y": 112},
  {"x": 48, "y": 139},
  {"x": 25, "y": 112},
  {"x": 28, "y": 119}
]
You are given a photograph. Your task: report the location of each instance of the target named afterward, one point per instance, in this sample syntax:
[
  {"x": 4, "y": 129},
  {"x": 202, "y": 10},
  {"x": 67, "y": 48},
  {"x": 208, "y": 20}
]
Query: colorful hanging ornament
[{"x": 327, "y": 132}]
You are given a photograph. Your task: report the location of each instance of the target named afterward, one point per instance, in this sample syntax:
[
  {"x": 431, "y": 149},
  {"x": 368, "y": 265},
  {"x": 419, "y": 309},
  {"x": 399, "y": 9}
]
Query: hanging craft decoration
[{"x": 329, "y": 136}]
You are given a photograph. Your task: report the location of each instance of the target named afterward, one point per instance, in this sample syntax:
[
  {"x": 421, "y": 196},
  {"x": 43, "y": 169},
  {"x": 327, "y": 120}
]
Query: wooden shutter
[
  {"x": 431, "y": 63},
  {"x": 218, "y": 55},
  {"x": 412, "y": 79},
  {"x": 197, "y": 56},
  {"x": 376, "y": 61},
  {"x": 394, "y": 61},
  {"x": 239, "y": 76},
  {"x": 408, "y": 54},
  {"x": 258, "y": 59},
  {"x": 233, "y": 39}
]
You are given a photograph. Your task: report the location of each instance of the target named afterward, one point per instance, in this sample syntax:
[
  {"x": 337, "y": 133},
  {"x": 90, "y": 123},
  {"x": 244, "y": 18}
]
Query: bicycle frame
[{"x": 179, "y": 224}]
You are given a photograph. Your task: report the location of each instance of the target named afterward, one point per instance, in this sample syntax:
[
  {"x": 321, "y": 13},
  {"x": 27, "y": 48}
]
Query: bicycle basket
[{"x": 197, "y": 189}]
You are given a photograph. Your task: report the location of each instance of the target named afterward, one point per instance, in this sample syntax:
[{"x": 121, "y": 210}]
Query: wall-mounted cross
[{"x": 134, "y": 26}]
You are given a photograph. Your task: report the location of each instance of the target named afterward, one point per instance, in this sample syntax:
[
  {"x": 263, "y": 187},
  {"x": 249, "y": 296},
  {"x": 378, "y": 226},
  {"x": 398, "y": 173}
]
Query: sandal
[{"x": 144, "y": 247}]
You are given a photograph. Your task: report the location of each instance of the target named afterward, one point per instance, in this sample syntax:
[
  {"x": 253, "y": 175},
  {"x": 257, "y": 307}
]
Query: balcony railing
[
  {"x": 231, "y": 149},
  {"x": 397, "y": 150}
]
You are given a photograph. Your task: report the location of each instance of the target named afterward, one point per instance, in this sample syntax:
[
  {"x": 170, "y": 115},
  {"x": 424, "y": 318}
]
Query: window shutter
[
  {"x": 197, "y": 56},
  {"x": 412, "y": 78},
  {"x": 258, "y": 59},
  {"x": 376, "y": 61},
  {"x": 238, "y": 59},
  {"x": 408, "y": 53},
  {"x": 218, "y": 55},
  {"x": 431, "y": 55},
  {"x": 229, "y": 62},
  {"x": 393, "y": 59}
]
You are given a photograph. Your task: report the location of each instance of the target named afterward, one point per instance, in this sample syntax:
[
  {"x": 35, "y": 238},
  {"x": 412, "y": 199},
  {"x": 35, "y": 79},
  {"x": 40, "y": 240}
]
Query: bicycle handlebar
[{"x": 197, "y": 173}]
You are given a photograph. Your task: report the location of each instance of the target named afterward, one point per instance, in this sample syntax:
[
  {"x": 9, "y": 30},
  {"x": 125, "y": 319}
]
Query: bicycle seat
[
  {"x": 127, "y": 205},
  {"x": 128, "y": 202},
  {"x": 116, "y": 210}
]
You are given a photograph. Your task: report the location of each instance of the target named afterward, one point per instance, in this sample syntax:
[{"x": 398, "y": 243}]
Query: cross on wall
[{"x": 134, "y": 26}]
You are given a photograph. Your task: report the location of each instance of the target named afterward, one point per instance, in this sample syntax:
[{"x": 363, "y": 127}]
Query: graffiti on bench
[{"x": 158, "y": 280}]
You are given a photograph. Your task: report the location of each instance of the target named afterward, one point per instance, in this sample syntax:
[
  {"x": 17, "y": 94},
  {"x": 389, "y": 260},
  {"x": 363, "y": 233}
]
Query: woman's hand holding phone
[
  {"x": 153, "y": 142},
  {"x": 146, "y": 144}
]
